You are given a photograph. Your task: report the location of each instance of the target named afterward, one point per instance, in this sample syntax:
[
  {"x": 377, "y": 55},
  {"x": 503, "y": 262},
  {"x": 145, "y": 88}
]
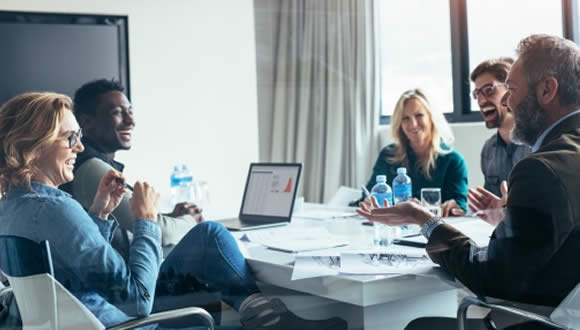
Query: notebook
[{"x": 268, "y": 196}]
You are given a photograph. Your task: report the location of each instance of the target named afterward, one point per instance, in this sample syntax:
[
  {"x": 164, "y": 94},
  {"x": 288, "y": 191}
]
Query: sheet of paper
[
  {"x": 296, "y": 239},
  {"x": 326, "y": 213},
  {"x": 393, "y": 260},
  {"x": 307, "y": 265},
  {"x": 478, "y": 230}
]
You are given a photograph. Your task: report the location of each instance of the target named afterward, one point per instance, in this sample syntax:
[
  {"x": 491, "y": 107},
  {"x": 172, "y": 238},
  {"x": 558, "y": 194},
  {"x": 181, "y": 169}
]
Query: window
[
  {"x": 416, "y": 52},
  {"x": 493, "y": 31},
  {"x": 434, "y": 45}
]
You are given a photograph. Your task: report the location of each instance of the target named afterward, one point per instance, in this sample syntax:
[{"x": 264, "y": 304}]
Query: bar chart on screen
[
  {"x": 288, "y": 188},
  {"x": 270, "y": 191}
]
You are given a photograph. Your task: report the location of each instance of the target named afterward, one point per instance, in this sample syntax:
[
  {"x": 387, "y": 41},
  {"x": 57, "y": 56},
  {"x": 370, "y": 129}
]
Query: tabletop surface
[{"x": 275, "y": 267}]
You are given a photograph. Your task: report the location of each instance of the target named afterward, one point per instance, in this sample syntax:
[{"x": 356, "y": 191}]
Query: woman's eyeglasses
[
  {"x": 74, "y": 138},
  {"x": 486, "y": 90}
]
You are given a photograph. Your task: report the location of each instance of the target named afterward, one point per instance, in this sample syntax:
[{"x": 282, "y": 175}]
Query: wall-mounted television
[{"x": 60, "y": 52}]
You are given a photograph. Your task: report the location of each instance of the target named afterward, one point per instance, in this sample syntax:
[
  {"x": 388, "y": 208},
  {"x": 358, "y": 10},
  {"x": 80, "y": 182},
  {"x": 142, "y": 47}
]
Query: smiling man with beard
[{"x": 499, "y": 154}]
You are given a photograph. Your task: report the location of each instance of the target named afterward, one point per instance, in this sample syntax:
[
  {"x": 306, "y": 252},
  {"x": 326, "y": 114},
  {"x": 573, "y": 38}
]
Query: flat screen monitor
[{"x": 60, "y": 52}]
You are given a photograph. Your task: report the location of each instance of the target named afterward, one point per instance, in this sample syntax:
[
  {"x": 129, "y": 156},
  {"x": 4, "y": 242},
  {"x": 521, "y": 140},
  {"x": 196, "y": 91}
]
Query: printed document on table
[
  {"x": 315, "y": 264},
  {"x": 392, "y": 260},
  {"x": 296, "y": 239}
]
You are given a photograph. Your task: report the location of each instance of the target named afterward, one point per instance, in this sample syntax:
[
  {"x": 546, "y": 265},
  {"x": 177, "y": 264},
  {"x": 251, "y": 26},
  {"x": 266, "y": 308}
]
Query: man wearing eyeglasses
[{"x": 499, "y": 153}]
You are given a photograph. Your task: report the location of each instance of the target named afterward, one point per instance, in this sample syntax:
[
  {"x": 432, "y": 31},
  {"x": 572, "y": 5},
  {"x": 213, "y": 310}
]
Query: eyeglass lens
[
  {"x": 74, "y": 138},
  {"x": 486, "y": 91}
]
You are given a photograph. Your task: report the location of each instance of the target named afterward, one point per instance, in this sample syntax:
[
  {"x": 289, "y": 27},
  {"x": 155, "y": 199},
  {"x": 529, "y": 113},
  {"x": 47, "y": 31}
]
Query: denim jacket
[{"x": 84, "y": 261}]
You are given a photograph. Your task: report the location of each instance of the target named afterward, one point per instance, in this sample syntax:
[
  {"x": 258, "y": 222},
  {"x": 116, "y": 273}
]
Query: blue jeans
[{"x": 207, "y": 259}]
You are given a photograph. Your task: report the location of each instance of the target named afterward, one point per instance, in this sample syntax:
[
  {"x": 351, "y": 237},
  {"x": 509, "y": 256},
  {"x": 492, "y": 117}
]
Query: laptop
[{"x": 268, "y": 196}]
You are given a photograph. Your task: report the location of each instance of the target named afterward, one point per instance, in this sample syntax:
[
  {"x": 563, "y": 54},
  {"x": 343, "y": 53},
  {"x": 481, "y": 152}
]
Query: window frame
[{"x": 462, "y": 109}]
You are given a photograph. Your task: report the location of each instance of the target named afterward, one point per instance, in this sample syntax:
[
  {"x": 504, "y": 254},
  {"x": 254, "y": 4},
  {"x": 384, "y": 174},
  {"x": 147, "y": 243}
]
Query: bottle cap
[
  {"x": 401, "y": 170},
  {"x": 381, "y": 178}
]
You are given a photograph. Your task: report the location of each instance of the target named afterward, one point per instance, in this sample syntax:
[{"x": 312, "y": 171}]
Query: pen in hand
[
  {"x": 124, "y": 183},
  {"x": 366, "y": 191}
]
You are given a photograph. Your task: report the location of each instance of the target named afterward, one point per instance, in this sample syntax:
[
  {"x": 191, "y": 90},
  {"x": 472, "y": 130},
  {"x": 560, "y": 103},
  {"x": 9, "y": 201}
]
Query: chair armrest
[
  {"x": 469, "y": 301},
  {"x": 5, "y": 290},
  {"x": 161, "y": 316}
]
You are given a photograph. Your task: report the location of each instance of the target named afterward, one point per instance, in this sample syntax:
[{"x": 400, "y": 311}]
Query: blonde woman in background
[{"x": 422, "y": 144}]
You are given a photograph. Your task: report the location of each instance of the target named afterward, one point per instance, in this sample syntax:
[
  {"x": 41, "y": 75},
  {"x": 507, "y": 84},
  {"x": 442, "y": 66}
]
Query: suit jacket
[{"x": 532, "y": 255}]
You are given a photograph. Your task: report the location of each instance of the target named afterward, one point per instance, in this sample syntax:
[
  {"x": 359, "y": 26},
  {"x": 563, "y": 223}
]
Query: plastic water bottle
[
  {"x": 402, "y": 192},
  {"x": 187, "y": 186},
  {"x": 382, "y": 191},
  {"x": 175, "y": 185},
  {"x": 384, "y": 235},
  {"x": 402, "y": 186}
]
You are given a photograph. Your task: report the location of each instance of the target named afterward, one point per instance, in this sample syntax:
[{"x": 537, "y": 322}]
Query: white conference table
[{"x": 365, "y": 301}]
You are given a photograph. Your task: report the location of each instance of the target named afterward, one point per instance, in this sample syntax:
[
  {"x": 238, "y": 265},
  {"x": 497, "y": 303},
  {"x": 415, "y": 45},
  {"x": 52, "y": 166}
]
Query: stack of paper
[
  {"x": 296, "y": 239},
  {"x": 383, "y": 263},
  {"x": 393, "y": 260},
  {"x": 315, "y": 264}
]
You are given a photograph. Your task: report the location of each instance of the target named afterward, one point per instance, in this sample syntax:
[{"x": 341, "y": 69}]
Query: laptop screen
[{"x": 270, "y": 190}]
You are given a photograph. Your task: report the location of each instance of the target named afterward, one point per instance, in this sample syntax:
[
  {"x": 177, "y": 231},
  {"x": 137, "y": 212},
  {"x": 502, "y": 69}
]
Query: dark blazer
[{"x": 534, "y": 254}]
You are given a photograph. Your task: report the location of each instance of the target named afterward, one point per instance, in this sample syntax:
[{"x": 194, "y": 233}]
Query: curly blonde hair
[
  {"x": 440, "y": 133},
  {"x": 27, "y": 122}
]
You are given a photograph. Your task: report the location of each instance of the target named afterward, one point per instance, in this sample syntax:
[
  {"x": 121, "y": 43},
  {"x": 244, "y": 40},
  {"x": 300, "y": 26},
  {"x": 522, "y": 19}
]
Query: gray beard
[{"x": 529, "y": 119}]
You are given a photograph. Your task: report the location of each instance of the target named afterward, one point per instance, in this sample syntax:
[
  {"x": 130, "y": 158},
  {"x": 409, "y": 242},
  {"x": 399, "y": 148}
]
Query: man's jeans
[{"x": 207, "y": 259}]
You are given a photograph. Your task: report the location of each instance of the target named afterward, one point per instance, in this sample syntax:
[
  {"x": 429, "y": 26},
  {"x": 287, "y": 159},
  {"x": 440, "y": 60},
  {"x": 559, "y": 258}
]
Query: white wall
[
  {"x": 469, "y": 139},
  {"x": 193, "y": 86}
]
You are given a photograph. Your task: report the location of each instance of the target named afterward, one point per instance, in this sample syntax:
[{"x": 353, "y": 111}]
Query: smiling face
[
  {"x": 112, "y": 125},
  {"x": 416, "y": 124},
  {"x": 55, "y": 161},
  {"x": 493, "y": 112}
]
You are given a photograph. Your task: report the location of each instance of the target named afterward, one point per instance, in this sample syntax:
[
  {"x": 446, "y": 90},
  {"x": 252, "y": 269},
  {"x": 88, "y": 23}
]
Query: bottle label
[
  {"x": 381, "y": 197},
  {"x": 402, "y": 190}
]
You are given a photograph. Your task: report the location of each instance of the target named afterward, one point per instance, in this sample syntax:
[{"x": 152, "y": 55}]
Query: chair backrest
[
  {"x": 20, "y": 256},
  {"x": 568, "y": 312},
  {"x": 345, "y": 195},
  {"x": 42, "y": 301}
]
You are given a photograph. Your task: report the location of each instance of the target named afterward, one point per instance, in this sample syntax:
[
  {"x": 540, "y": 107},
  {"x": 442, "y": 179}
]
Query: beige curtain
[{"x": 325, "y": 103}]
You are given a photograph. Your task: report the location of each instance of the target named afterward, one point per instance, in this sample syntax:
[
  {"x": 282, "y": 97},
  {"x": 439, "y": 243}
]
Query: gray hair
[{"x": 543, "y": 56}]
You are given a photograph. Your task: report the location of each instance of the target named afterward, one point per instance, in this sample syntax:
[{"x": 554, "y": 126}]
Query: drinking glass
[
  {"x": 431, "y": 200},
  {"x": 384, "y": 235},
  {"x": 202, "y": 194}
]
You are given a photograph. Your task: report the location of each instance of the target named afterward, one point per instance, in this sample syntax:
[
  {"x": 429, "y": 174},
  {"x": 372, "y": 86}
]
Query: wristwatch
[{"x": 430, "y": 225}]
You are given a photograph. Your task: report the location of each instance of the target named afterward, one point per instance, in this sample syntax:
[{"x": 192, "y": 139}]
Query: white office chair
[
  {"x": 45, "y": 304},
  {"x": 344, "y": 195},
  {"x": 4, "y": 289},
  {"x": 565, "y": 316}
]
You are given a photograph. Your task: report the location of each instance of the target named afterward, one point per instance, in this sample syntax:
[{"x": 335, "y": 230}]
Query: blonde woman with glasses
[{"x": 40, "y": 142}]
